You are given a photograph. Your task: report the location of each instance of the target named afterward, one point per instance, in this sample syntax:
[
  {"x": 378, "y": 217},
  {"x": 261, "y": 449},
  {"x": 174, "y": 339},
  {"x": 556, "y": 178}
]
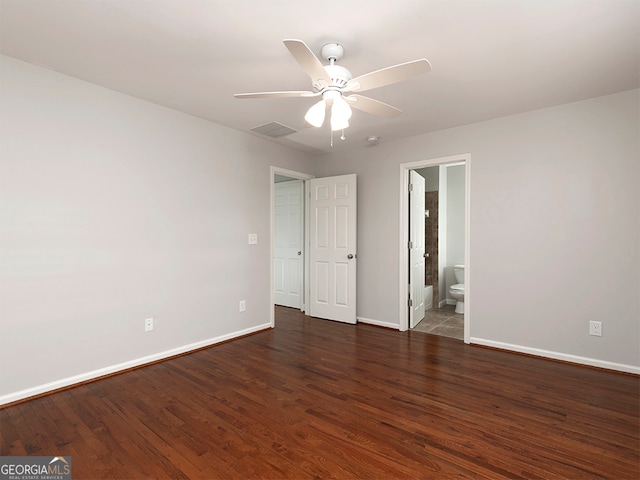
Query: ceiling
[{"x": 489, "y": 58}]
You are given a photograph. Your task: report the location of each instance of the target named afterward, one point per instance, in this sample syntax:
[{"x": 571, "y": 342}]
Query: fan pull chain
[{"x": 342, "y": 137}]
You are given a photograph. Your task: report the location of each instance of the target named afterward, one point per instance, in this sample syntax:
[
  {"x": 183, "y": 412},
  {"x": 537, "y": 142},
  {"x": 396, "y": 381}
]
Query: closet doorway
[{"x": 289, "y": 270}]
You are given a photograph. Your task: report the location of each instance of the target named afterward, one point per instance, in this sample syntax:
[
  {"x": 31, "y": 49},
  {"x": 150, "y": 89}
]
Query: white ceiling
[{"x": 489, "y": 57}]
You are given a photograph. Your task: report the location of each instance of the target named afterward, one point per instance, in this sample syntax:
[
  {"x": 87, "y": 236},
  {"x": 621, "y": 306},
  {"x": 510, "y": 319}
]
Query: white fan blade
[
  {"x": 308, "y": 61},
  {"x": 389, "y": 75},
  {"x": 374, "y": 107},
  {"x": 276, "y": 94}
]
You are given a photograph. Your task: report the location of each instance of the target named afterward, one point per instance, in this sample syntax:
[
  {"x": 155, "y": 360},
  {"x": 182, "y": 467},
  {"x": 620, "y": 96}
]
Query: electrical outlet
[
  {"x": 243, "y": 305},
  {"x": 148, "y": 324},
  {"x": 595, "y": 328},
  {"x": 253, "y": 239}
]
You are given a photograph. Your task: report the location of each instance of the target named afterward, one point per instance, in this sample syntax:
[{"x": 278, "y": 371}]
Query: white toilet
[{"x": 457, "y": 291}]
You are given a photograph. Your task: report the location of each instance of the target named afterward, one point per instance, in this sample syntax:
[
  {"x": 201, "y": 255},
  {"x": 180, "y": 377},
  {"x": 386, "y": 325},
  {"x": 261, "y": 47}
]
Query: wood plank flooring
[{"x": 318, "y": 399}]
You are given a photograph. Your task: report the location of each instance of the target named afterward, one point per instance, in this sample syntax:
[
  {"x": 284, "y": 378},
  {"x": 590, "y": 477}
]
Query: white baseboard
[
  {"x": 378, "y": 323},
  {"x": 620, "y": 367},
  {"x": 83, "y": 377}
]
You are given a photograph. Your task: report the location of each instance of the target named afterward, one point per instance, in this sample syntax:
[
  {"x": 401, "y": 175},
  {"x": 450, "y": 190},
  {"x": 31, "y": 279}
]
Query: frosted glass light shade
[
  {"x": 340, "y": 114},
  {"x": 339, "y": 124},
  {"x": 315, "y": 115}
]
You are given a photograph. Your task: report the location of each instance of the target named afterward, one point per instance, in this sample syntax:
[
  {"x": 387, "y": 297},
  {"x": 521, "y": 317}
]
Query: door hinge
[
  {"x": 411, "y": 187},
  {"x": 410, "y": 303},
  {"x": 410, "y": 244}
]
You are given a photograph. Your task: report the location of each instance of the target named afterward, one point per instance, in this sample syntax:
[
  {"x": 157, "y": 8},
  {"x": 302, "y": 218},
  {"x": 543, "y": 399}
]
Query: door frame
[
  {"x": 273, "y": 171},
  {"x": 404, "y": 237}
]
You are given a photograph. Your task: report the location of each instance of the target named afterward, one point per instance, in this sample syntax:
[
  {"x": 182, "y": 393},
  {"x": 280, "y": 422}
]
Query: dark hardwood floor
[{"x": 318, "y": 399}]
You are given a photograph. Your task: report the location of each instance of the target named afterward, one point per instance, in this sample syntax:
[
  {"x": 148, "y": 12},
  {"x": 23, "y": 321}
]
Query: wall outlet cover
[{"x": 595, "y": 328}]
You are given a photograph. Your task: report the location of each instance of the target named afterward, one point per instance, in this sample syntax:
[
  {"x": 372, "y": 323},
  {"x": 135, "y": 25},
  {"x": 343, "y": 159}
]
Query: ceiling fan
[{"x": 332, "y": 82}]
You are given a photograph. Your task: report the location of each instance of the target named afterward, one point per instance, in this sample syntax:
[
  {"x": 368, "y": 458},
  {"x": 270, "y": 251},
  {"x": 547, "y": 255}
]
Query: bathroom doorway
[{"x": 446, "y": 243}]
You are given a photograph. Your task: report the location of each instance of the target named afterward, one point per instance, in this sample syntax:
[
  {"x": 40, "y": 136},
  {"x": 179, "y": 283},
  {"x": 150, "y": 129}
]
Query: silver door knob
[
  {"x": 350, "y": 256},
  {"x": 426, "y": 255}
]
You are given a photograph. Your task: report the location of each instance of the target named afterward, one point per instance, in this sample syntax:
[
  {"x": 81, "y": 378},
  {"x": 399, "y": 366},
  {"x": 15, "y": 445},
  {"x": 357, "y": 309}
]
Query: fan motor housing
[{"x": 339, "y": 75}]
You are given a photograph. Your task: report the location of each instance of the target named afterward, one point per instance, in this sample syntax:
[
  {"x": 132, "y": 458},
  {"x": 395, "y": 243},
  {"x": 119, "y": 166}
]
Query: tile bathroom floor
[{"x": 442, "y": 321}]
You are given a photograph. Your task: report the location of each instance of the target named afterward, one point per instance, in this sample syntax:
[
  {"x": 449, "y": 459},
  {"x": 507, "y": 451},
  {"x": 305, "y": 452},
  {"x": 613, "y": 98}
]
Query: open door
[
  {"x": 288, "y": 258},
  {"x": 332, "y": 248},
  {"x": 416, "y": 248}
]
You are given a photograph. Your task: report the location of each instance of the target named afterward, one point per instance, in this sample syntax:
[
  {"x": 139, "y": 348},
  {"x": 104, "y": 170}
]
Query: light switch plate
[{"x": 253, "y": 239}]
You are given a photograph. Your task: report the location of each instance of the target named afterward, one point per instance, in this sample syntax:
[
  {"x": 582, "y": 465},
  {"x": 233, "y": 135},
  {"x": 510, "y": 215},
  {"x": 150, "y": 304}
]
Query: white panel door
[
  {"x": 288, "y": 258},
  {"x": 416, "y": 251},
  {"x": 332, "y": 248}
]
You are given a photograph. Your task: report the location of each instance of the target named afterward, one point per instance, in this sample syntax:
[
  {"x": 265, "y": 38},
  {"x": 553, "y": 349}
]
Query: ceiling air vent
[{"x": 274, "y": 130}]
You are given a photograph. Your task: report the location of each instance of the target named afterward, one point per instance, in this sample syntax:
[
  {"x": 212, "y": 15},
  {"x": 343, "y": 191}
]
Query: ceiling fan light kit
[
  {"x": 332, "y": 82},
  {"x": 315, "y": 115},
  {"x": 340, "y": 114}
]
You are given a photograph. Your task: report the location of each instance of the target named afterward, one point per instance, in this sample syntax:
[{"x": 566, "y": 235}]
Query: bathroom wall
[
  {"x": 432, "y": 228},
  {"x": 431, "y": 177},
  {"x": 454, "y": 227},
  {"x": 455, "y": 215},
  {"x": 431, "y": 239}
]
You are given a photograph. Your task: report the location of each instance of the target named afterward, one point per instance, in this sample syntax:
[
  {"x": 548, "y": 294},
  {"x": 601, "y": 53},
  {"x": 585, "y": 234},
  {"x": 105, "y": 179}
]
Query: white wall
[
  {"x": 554, "y": 227},
  {"x": 113, "y": 210}
]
